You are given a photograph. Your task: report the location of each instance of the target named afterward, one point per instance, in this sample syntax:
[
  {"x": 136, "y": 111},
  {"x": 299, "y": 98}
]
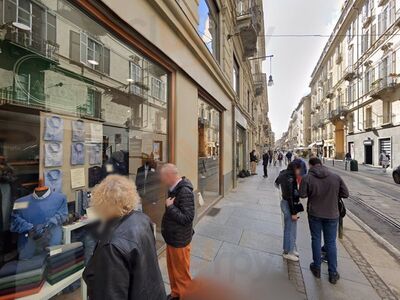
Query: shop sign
[{"x": 369, "y": 142}]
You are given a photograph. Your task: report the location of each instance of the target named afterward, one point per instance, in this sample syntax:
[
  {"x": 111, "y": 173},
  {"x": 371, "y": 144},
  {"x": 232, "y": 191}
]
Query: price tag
[{"x": 21, "y": 205}]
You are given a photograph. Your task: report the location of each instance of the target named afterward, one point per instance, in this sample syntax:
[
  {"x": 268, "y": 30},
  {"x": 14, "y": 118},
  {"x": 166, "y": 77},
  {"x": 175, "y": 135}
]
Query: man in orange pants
[{"x": 177, "y": 229}]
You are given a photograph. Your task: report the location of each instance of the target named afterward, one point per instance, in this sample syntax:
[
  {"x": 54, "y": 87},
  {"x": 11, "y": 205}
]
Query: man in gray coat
[{"x": 323, "y": 190}]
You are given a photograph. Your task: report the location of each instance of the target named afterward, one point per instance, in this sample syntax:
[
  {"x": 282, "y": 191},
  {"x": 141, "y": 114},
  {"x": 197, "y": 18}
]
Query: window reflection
[
  {"x": 58, "y": 64},
  {"x": 209, "y": 150}
]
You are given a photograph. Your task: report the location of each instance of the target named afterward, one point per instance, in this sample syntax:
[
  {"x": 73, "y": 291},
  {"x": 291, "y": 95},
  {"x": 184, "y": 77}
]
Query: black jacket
[
  {"x": 253, "y": 157},
  {"x": 265, "y": 159},
  {"x": 323, "y": 190},
  {"x": 177, "y": 223},
  {"x": 288, "y": 184},
  {"x": 124, "y": 264}
]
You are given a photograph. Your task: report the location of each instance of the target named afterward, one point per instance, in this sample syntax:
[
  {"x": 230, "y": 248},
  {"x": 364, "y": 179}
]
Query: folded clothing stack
[
  {"x": 22, "y": 278},
  {"x": 64, "y": 260}
]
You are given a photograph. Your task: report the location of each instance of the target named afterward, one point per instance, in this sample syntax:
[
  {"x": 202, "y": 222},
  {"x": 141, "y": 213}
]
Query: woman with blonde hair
[{"x": 124, "y": 264}]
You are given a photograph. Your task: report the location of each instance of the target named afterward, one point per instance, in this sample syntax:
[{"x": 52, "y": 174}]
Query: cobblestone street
[{"x": 240, "y": 239}]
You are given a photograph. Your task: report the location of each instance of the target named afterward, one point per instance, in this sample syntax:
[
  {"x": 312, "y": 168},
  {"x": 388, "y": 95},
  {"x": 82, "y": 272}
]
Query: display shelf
[
  {"x": 67, "y": 229},
  {"x": 49, "y": 290}
]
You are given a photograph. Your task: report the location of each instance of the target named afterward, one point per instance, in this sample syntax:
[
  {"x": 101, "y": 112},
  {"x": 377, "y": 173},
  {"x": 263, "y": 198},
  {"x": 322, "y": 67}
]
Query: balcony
[
  {"x": 338, "y": 113},
  {"x": 350, "y": 73},
  {"x": 385, "y": 87},
  {"x": 248, "y": 25},
  {"x": 29, "y": 41},
  {"x": 330, "y": 94},
  {"x": 260, "y": 83}
]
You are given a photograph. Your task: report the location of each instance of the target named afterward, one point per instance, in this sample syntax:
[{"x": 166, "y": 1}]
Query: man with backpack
[{"x": 324, "y": 191}]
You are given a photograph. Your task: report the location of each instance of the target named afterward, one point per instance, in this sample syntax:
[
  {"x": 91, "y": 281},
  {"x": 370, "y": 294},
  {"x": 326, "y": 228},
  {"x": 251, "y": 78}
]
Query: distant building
[{"x": 355, "y": 86}]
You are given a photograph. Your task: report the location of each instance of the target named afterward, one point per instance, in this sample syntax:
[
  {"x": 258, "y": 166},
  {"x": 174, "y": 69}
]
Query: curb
[{"x": 380, "y": 240}]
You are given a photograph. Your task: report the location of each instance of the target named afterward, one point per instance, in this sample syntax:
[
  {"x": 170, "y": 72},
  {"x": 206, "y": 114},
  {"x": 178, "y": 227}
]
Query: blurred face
[
  {"x": 297, "y": 172},
  {"x": 168, "y": 178}
]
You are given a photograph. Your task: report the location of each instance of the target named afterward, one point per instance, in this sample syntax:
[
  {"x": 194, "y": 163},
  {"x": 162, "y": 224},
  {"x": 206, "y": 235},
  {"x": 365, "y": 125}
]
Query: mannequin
[{"x": 37, "y": 218}]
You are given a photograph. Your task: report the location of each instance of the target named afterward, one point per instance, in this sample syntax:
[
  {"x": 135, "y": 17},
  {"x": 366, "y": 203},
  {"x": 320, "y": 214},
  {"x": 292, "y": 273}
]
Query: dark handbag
[
  {"x": 298, "y": 207},
  {"x": 342, "y": 208}
]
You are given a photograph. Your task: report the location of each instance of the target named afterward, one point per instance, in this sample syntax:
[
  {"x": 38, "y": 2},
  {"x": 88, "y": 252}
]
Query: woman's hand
[{"x": 295, "y": 217}]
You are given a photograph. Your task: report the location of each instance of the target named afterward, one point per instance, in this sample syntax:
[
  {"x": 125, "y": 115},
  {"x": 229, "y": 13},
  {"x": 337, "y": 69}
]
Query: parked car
[{"x": 396, "y": 175}]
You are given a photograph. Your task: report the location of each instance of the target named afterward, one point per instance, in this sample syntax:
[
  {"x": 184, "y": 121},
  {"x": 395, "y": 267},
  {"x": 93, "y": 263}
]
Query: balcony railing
[
  {"x": 248, "y": 24},
  {"x": 338, "y": 113},
  {"x": 30, "y": 41},
  {"x": 350, "y": 73},
  {"x": 384, "y": 87}
]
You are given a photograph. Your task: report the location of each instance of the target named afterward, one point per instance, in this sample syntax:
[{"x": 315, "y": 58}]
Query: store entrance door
[{"x": 368, "y": 154}]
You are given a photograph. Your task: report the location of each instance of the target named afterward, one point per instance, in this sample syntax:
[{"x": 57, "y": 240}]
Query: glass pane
[
  {"x": 61, "y": 116},
  {"x": 209, "y": 147}
]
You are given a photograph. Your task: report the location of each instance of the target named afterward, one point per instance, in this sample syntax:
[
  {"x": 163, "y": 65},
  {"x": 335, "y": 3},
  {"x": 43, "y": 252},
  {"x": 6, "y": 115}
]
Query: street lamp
[{"x": 270, "y": 80}]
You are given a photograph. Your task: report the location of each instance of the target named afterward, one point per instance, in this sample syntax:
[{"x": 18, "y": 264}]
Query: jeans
[
  {"x": 289, "y": 229},
  {"x": 329, "y": 228}
]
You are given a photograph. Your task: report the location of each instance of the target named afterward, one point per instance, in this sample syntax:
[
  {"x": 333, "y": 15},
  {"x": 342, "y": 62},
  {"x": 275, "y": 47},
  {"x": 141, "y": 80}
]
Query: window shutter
[
  {"x": 83, "y": 48},
  {"x": 74, "y": 46},
  {"x": 106, "y": 61}
]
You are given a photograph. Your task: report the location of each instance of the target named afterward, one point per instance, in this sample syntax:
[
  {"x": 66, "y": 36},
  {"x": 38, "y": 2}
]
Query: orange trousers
[{"x": 178, "y": 264}]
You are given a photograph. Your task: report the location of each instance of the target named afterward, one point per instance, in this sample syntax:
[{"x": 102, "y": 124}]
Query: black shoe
[
  {"x": 316, "y": 271},
  {"x": 172, "y": 298},
  {"x": 334, "y": 277}
]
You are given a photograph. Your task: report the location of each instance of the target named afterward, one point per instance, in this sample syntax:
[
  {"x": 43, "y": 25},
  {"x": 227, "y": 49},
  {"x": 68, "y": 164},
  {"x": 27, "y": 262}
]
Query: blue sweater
[{"x": 50, "y": 210}]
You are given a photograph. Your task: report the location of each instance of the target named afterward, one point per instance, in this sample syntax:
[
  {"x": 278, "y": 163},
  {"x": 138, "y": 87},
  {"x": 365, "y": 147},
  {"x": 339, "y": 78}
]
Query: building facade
[
  {"x": 355, "y": 98},
  {"x": 89, "y": 88}
]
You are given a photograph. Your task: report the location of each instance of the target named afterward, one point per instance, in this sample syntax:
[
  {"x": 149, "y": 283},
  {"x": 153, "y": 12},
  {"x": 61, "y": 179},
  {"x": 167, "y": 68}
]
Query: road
[{"x": 375, "y": 199}]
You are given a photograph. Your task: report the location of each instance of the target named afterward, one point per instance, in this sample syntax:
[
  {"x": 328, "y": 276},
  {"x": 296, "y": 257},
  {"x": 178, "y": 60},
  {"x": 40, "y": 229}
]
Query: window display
[{"x": 77, "y": 103}]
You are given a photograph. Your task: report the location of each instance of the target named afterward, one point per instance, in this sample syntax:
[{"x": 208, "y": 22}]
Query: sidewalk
[
  {"x": 240, "y": 240},
  {"x": 374, "y": 172}
]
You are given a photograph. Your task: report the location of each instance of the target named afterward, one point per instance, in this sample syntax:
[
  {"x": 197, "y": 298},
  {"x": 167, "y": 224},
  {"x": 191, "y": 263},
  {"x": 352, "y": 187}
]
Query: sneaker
[
  {"x": 290, "y": 256},
  {"x": 296, "y": 253},
  {"x": 316, "y": 271},
  {"x": 334, "y": 277}
]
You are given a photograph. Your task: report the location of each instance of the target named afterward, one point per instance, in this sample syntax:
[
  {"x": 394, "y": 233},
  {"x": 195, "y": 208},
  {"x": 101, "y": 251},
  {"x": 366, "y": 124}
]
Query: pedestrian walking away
[
  {"x": 125, "y": 263},
  {"x": 271, "y": 155},
  {"x": 289, "y": 157},
  {"x": 291, "y": 207},
  {"x": 265, "y": 163},
  {"x": 384, "y": 160},
  {"x": 323, "y": 189},
  {"x": 177, "y": 229},
  {"x": 253, "y": 162},
  {"x": 347, "y": 160},
  {"x": 280, "y": 158}
]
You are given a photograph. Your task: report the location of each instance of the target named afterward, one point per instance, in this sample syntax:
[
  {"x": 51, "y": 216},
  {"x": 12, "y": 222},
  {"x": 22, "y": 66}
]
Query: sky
[{"x": 294, "y": 57}]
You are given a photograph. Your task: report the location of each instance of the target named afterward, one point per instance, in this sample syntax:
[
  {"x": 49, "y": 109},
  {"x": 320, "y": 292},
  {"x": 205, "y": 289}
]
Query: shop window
[
  {"x": 209, "y": 150},
  {"x": 62, "y": 125},
  {"x": 208, "y": 27}
]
